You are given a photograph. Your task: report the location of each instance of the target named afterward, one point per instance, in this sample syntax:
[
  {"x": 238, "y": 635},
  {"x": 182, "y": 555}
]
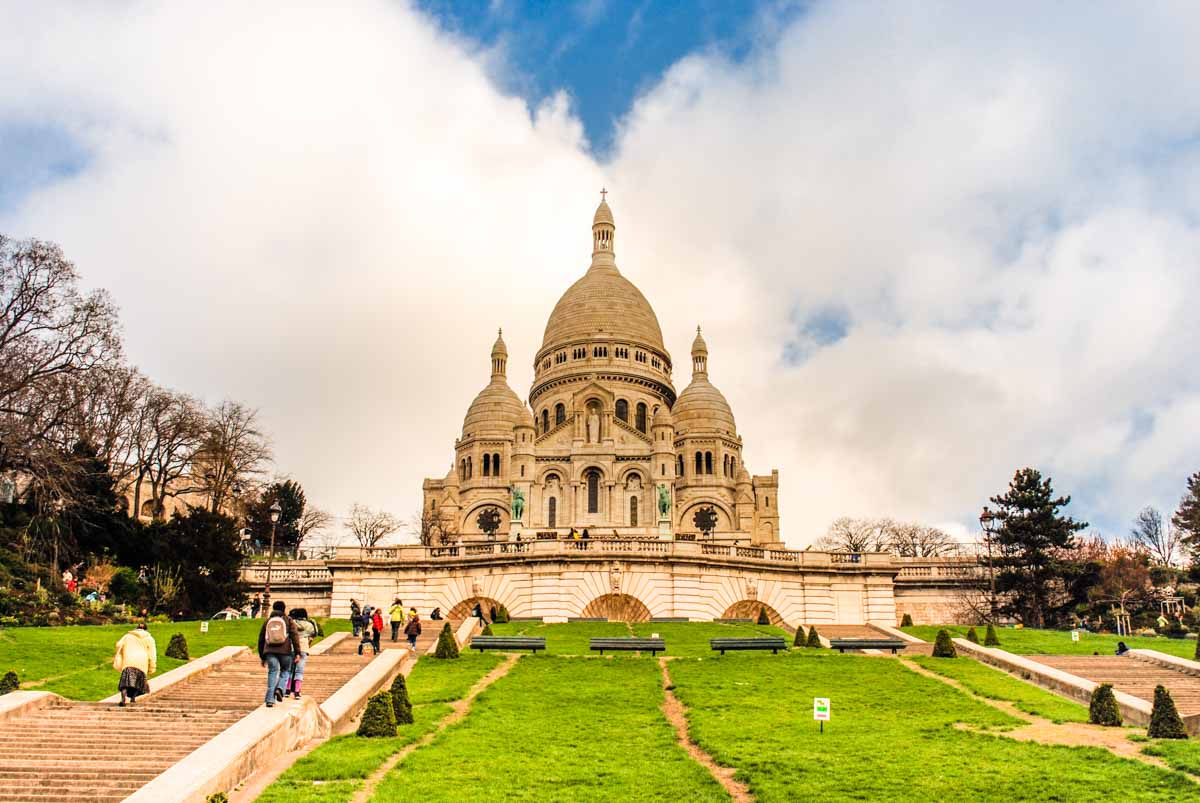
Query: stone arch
[
  {"x": 624, "y": 474},
  {"x": 725, "y": 519},
  {"x": 468, "y": 524},
  {"x": 558, "y": 471},
  {"x": 749, "y": 608},
  {"x": 463, "y": 609},
  {"x": 617, "y": 608}
]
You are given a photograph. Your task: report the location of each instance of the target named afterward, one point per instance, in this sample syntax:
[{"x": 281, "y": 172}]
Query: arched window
[
  {"x": 560, "y": 414},
  {"x": 679, "y": 467},
  {"x": 593, "y": 491},
  {"x": 470, "y": 472},
  {"x": 699, "y": 463},
  {"x": 733, "y": 466},
  {"x": 623, "y": 410},
  {"x": 495, "y": 464},
  {"x": 725, "y": 466},
  {"x": 545, "y": 421},
  {"x": 641, "y": 417},
  {"x": 552, "y": 513},
  {"x": 462, "y": 469},
  {"x": 708, "y": 462},
  {"x": 487, "y": 464},
  {"x": 633, "y": 511}
]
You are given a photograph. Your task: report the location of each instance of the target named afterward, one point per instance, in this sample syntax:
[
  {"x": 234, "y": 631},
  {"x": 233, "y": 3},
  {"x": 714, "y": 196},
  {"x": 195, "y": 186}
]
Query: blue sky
[{"x": 602, "y": 52}]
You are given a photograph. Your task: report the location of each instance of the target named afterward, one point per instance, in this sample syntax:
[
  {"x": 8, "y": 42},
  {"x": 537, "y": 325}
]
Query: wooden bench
[
  {"x": 534, "y": 643},
  {"x": 629, "y": 644},
  {"x": 772, "y": 643},
  {"x": 734, "y": 621},
  {"x": 573, "y": 619},
  {"x": 668, "y": 619},
  {"x": 843, "y": 644}
]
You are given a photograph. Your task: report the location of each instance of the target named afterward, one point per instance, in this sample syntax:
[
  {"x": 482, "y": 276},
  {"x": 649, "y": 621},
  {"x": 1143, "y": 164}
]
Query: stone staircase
[
  {"x": 80, "y": 751},
  {"x": 1134, "y": 677}
]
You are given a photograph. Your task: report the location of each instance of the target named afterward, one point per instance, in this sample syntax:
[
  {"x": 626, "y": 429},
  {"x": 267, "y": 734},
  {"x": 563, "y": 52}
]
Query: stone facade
[{"x": 604, "y": 442}]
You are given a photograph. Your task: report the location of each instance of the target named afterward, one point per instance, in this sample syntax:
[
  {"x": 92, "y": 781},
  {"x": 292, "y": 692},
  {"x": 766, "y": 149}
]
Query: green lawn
[
  {"x": 77, "y": 660},
  {"x": 1180, "y": 754},
  {"x": 558, "y": 729},
  {"x": 997, "y": 685},
  {"x": 1028, "y": 641},
  {"x": 691, "y": 639},
  {"x": 335, "y": 770},
  {"x": 564, "y": 639},
  {"x": 683, "y": 638},
  {"x": 891, "y": 737}
]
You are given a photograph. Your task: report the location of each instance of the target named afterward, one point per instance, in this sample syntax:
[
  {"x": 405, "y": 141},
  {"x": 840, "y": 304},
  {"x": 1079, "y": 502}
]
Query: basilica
[{"x": 604, "y": 443}]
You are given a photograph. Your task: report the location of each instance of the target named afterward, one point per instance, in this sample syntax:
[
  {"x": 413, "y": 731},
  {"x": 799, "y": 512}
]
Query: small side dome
[
  {"x": 603, "y": 214},
  {"x": 701, "y": 407},
  {"x": 499, "y": 349},
  {"x": 663, "y": 417},
  {"x": 698, "y": 345},
  {"x": 496, "y": 411},
  {"x": 743, "y": 476}
]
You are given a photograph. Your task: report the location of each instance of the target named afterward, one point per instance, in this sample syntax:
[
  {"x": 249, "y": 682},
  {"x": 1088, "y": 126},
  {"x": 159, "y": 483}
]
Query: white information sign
[
  {"x": 1074, "y": 635},
  {"x": 204, "y": 627},
  {"x": 821, "y": 709}
]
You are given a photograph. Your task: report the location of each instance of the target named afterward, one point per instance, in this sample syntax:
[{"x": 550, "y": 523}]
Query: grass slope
[
  {"x": 570, "y": 638},
  {"x": 997, "y": 685},
  {"x": 334, "y": 771},
  {"x": 558, "y": 729},
  {"x": 1028, "y": 641},
  {"x": 1179, "y": 754},
  {"x": 691, "y": 639},
  {"x": 892, "y": 737},
  {"x": 79, "y": 658}
]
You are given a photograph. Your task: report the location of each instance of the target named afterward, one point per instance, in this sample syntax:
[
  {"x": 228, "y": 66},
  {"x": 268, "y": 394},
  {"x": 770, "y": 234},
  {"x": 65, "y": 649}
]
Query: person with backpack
[
  {"x": 377, "y": 628},
  {"x": 413, "y": 629},
  {"x": 364, "y": 624},
  {"x": 306, "y": 629},
  {"x": 278, "y": 644},
  {"x": 355, "y": 616},
  {"x": 396, "y": 614}
]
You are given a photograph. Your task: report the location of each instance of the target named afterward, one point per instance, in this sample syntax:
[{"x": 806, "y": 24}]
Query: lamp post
[
  {"x": 276, "y": 510},
  {"x": 990, "y": 521}
]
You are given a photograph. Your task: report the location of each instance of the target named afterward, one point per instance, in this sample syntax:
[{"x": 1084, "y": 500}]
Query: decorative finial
[
  {"x": 603, "y": 192},
  {"x": 500, "y": 331},
  {"x": 697, "y": 328}
]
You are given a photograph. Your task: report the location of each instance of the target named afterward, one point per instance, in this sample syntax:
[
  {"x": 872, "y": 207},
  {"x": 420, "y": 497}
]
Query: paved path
[{"x": 73, "y": 752}]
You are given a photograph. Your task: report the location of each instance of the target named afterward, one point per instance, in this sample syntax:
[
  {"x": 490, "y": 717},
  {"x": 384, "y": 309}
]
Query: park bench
[
  {"x": 843, "y": 644},
  {"x": 669, "y": 619},
  {"x": 534, "y": 643},
  {"x": 573, "y": 619},
  {"x": 734, "y": 621},
  {"x": 772, "y": 643},
  {"x": 629, "y": 644}
]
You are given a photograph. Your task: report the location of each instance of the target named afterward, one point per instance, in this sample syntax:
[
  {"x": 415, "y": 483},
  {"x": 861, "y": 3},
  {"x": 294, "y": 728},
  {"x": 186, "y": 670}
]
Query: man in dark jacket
[{"x": 278, "y": 643}]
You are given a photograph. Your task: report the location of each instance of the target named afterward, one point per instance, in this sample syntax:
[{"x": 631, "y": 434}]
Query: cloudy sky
[{"x": 928, "y": 243}]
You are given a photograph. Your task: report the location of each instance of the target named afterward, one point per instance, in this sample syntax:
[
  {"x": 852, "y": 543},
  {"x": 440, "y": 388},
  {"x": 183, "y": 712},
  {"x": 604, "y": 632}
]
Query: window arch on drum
[
  {"x": 623, "y": 410},
  {"x": 641, "y": 417},
  {"x": 593, "y": 491}
]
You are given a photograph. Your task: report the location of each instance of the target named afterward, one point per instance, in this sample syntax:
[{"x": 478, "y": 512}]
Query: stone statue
[
  {"x": 593, "y": 427},
  {"x": 518, "y": 503},
  {"x": 664, "y": 501}
]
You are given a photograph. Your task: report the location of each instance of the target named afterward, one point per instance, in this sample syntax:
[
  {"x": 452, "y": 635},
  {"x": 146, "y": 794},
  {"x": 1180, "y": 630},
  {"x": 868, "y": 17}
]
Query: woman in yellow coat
[{"x": 136, "y": 657}]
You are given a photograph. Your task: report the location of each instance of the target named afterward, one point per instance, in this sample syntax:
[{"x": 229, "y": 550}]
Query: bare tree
[
  {"x": 854, "y": 535},
  {"x": 369, "y": 527},
  {"x": 1161, "y": 541},
  {"x": 313, "y": 523},
  {"x": 886, "y": 535},
  {"x": 235, "y": 452},
  {"x": 433, "y": 528},
  {"x": 177, "y": 426},
  {"x": 920, "y": 541}
]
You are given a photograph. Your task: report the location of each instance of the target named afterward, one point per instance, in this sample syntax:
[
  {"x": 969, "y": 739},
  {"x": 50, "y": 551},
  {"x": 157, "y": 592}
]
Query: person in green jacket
[{"x": 396, "y": 616}]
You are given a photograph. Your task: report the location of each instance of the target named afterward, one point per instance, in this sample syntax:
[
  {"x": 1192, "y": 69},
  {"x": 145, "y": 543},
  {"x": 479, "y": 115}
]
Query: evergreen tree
[
  {"x": 400, "y": 702},
  {"x": 907, "y": 620},
  {"x": 813, "y": 639},
  {"x": 972, "y": 636},
  {"x": 1031, "y": 539},
  {"x": 763, "y": 619},
  {"x": 502, "y": 616},
  {"x": 178, "y": 648},
  {"x": 1187, "y": 517},
  {"x": 292, "y": 502},
  {"x": 94, "y": 521},
  {"x": 801, "y": 638},
  {"x": 1104, "y": 710},
  {"x": 447, "y": 647},
  {"x": 944, "y": 647},
  {"x": 380, "y": 718},
  {"x": 10, "y": 682},
  {"x": 990, "y": 639},
  {"x": 1164, "y": 718},
  {"x": 207, "y": 549}
]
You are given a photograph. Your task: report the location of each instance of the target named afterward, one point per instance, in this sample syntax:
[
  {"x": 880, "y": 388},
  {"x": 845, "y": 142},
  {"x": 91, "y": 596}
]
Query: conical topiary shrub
[
  {"x": 10, "y": 682},
  {"x": 447, "y": 647},
  {"x": 972, "y": 636},
  {"x": 401, "y": 705},
  {"x": 763, "y": 619},
  {"x": 989, "y": 638},
  {"x": 1164, "y": 718},
  {"x": 178, "y": 648},
  {"x": 814, "y": 640},
  {"x": 1104, "y": 710},
  {"x": 944, "y": 647},
  {"x": 502, "y": 616},
  {"x": 379, "y": 719},
  {"x": 907, "y": 620},
  {"x": 801, "y": 638},
  {"x": 487, "y": 631}
]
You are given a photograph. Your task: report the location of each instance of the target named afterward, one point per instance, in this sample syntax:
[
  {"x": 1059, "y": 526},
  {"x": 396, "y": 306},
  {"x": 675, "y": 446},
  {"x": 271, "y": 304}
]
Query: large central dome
[{"x": 603, "y": 302}]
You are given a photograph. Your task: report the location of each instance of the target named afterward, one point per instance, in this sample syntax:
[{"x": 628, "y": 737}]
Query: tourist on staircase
[
  {"x": 412, "y": 629},
  {"x": 278, "y": 644},
  {"x": 306, "y": 629},
  {"x": 355, "y": 614},
  {"x": 396, "y": 615},
  {"x": 376, "y": 628},
  {"x": 135, "y": 658}
]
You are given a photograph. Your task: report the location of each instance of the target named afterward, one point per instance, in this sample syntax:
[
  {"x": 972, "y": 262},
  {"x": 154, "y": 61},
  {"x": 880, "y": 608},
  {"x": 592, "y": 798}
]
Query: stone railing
[
  {"x": 287, "y": 573},
  {"x": 918, "y": 570}
]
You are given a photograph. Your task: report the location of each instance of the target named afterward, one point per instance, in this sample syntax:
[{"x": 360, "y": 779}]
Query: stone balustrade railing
[{"x": 282, "y": 573}]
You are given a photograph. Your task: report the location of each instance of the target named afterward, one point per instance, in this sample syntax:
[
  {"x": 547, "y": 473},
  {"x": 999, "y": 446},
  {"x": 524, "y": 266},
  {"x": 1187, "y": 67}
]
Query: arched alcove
[
  {"x": 617, "y": 608},
  {"x": 463, "y": 609},
  {"x": 748, "y": 609}
]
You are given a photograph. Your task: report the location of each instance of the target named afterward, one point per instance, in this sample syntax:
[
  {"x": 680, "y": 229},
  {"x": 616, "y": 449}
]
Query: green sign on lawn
[{"x": 821, "y": 709}]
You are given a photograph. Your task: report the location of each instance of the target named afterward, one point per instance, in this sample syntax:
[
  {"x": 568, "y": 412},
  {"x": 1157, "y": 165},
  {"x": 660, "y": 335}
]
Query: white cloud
[{"x": 327, "y": 211}]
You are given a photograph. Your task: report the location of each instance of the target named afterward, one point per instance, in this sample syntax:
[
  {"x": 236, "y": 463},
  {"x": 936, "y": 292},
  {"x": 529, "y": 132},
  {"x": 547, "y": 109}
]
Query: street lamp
[
  {"x": 276, "y": 511},
  {"x": 990, "y": 522}
]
